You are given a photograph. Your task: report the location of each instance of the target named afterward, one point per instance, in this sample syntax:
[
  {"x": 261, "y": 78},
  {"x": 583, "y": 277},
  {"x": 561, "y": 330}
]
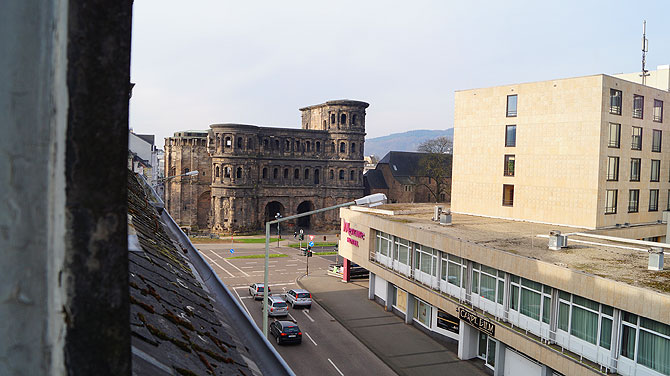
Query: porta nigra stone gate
[{"x": 255, "y": 172}]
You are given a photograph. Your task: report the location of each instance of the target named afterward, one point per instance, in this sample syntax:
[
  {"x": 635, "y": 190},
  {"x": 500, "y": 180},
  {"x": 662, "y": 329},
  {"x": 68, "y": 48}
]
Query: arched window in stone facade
[
  {"x": 353, "y": 120},
  {"x": 288, "y": 145},
  {"x": 239, "y": 142},
  {"x": 353, "y": 147},
  {"x": 343, "y": 119},
  {"x": 296, "y": 173},
  {"x": 324, "y": 124},
  {"x": 332, "y": 147},
  {"x": 306, "y": 174},
  {"x": 332, "y": 118},
  {"x": 226, "y": 172},
  {"x": 228, "y": 142},
  {"x": 286, "y": 173},
  {"x": 343, "y": 147},
  {"x": 341, "y": 174},
  {"x": 332, "y": 174},
  {"x": 308, "y": 146},
  {"x": 250, "y": 143},
  {"x": 265, "y": 144},
  {"x": 316, "y": 176},
  {"x": 277, "y": 145},
  {"x": 351, "y": 175},
  {"x": 239, "y": 173},
  {"x": 275, "y": 173},
  {"x": 265, "y": 172},
  {"x": 297, "y": 146},
  {"x": 217, "y": 171},
  {"x": 318, "y": 146}
]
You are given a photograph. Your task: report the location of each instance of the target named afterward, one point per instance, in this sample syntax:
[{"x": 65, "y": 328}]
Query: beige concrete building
[
  {"x": 589, "y": 307},
  {"x": 586, "y": 152}
]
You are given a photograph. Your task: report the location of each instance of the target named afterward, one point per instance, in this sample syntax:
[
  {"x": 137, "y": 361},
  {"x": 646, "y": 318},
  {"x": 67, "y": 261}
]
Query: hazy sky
[{"x": 201, "y": 62}]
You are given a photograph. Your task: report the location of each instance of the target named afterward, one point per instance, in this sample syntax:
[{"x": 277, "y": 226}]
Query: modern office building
[
  {"x": 586, "y": 152},
  {"x": 591, "y": 307}
]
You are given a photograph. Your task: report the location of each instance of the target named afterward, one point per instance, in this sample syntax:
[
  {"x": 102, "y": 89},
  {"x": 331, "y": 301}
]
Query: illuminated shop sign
[
  {"x": 346, "y": 227},
  {"x": 478, "y": 322}
]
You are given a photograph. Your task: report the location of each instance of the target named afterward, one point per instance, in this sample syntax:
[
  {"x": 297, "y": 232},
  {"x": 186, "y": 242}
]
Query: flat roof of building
[{"x": 625, "y": 260}]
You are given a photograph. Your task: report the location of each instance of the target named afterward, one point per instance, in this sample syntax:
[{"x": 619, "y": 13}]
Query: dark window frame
[
  {"x": 653, "y": 204},
  {"x": 655, "y": 171},
  {"x": 636, "y": 140},
  {"x": 613, "y": 173},
  {"x": 611, "y": 209},
  {"x": 510, "y": 143},
  {"x": 616, "y": 98},
  {"x": 616, "y": 143},
  {"x": 639, "y": 168},
  {"x": 633, "y": 204},
  {"x": 656, "y": 144},
  {"x": 512, "y": 112},
  {"x": 658, "y": 117},
  {"x": 638, "y": 106},
  {"x": 508, "y": 202},
  {"x": 509, "y": 169}
]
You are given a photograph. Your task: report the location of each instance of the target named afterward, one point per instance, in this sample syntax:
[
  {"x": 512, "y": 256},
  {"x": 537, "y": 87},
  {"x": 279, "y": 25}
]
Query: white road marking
[
  {"x": 247, "y": 267},
  {"x": 308, "y": 316},
  {"x": 240, "y": 270},
  {"x": 291, "y": 264},
  {"x": 280, "y": 270},
  {"x": 337, "y": 369},
  {"x": 243, "y": 305},
  {"x": 292, "y": 318},
  {"x": 221, "y": 267},
  {"x": 310, "y": 338},
  {"x": 269, "y": 284}
]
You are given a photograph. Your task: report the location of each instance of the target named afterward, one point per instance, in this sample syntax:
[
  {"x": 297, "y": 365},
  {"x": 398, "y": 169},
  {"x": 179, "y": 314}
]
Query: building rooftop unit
[{"x": 623, "y": 261}]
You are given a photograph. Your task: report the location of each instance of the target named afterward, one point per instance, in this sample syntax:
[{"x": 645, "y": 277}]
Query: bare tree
[{"x": 436, "y": 165}]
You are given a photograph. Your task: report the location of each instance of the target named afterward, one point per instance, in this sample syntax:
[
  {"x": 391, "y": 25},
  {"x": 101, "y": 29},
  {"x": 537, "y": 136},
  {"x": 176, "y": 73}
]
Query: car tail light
[
  {"x": 283, "y": 334},
  {"x": 310, "y": 296},
  {"x": 299, "y": 333},
  {"x": 272, "y": 309}
]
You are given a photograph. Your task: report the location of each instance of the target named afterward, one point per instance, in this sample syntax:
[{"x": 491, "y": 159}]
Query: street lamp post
[
  {"x": 370, "y": 201},
  {"x": 277, "y": 216}
]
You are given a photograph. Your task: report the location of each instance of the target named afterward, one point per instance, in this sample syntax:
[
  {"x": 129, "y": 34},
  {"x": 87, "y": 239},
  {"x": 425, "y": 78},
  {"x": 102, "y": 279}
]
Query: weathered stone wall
[{"x": 188, "y": 198}]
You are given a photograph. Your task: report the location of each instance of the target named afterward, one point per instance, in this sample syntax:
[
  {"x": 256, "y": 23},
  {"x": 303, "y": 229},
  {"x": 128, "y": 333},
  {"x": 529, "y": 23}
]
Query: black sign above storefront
[{"x": 481, "y": 323}]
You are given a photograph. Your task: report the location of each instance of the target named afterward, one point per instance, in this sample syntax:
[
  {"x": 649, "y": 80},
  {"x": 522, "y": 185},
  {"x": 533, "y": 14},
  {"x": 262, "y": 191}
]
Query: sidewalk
[{"x": 404, "y": 348}]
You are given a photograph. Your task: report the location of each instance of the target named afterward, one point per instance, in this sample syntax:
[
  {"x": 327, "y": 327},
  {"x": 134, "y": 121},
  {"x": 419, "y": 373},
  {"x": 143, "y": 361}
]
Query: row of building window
[
  {"x": 616, "y": 99},
  {"x": 643, "y": 340},
  {"x": 611, "y": 198},
  {"x": 298, "y": 146},
  {"x": 636, "y": 138},
  {"x": 635, "y": 168},
  {"x": 227, "y": 171}
]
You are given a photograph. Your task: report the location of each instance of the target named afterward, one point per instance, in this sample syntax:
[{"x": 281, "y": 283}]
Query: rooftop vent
[
  {"x": 445, "y": 218},
  {"x": 655, "y": 259},
  {"x": 557, "y": 241},
  {"x": 437, "y": 210}
]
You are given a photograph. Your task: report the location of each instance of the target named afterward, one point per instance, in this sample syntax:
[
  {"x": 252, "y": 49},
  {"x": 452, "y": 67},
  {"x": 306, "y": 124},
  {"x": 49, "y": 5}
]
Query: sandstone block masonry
[{"x": 256, "y": 172}]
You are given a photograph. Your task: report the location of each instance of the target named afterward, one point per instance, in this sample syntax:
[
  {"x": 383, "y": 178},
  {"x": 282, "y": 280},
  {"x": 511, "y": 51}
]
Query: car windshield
[
  {"x": 291, "y": 329},
  {"x": 279, "y": 304},
  {"x": 303, "y": 295}
]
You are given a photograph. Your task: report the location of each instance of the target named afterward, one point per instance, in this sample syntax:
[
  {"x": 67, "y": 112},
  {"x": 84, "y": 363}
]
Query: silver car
[
  {"x": 276, "y": 306},
  {"x": 299, "y": 297}
]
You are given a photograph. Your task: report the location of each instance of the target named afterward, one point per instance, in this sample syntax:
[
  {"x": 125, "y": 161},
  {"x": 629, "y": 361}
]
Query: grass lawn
[
  {"x": 227, "y": 240},
  {"x": 328, "y": 244},
  {"x": 272, "y": 255},
  {"x": 324, "y": 253}
]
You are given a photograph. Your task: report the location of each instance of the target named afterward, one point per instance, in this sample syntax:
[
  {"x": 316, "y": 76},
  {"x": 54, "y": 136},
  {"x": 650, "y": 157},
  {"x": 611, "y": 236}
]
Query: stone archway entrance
[
  {"x": 305, "y": 222},
  {"x": 271, "y": 209}
]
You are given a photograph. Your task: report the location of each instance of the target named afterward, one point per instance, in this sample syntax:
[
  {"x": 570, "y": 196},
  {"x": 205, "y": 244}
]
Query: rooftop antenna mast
[{"x": 645, "y": 49}]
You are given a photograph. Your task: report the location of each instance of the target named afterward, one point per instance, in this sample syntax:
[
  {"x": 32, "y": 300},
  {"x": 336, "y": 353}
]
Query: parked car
[
  {"x": 286, "y": 332},
  {"x": 299, "y": 297},
  {"x": 276, "y": 306},
  {"x": 256, "y": 290}
]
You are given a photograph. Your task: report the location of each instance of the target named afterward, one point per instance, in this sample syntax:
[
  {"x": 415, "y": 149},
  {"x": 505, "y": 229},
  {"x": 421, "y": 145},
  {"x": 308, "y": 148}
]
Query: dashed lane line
[
  {"x": 308, "y": 316},
  {"x": 220, "y": 267},
  {"x": 310, "y": 338},
  {"x": 337, "y": 369},
  {"x": 240, "y": 270}
]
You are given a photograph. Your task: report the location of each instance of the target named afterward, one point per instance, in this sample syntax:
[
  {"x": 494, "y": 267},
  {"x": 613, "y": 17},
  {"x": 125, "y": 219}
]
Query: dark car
[{"x": 286, "y": 332}]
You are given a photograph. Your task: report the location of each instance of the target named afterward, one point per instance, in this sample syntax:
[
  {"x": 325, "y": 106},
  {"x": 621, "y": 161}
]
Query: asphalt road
[{"x": 327, "y": 347}]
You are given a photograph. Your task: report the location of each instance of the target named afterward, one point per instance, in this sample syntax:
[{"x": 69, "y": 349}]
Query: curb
[{"x": 350, "y": 330}]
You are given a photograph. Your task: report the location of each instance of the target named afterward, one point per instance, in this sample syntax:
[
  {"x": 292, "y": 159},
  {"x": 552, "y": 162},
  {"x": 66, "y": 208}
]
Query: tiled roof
[
  {"x": 374, "y": 179},
  {"x": 404, "y": 163},
  {"x": 175, "y": 326}
]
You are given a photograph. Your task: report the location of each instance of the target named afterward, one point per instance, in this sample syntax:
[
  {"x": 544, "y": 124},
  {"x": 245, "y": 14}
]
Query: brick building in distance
[
  {"x": 249, "y": 173},
  {"x": 400, "y": 177}
]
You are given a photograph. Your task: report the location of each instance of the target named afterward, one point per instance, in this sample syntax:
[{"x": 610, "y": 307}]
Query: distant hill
[{"x": 406, "y": 141}]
